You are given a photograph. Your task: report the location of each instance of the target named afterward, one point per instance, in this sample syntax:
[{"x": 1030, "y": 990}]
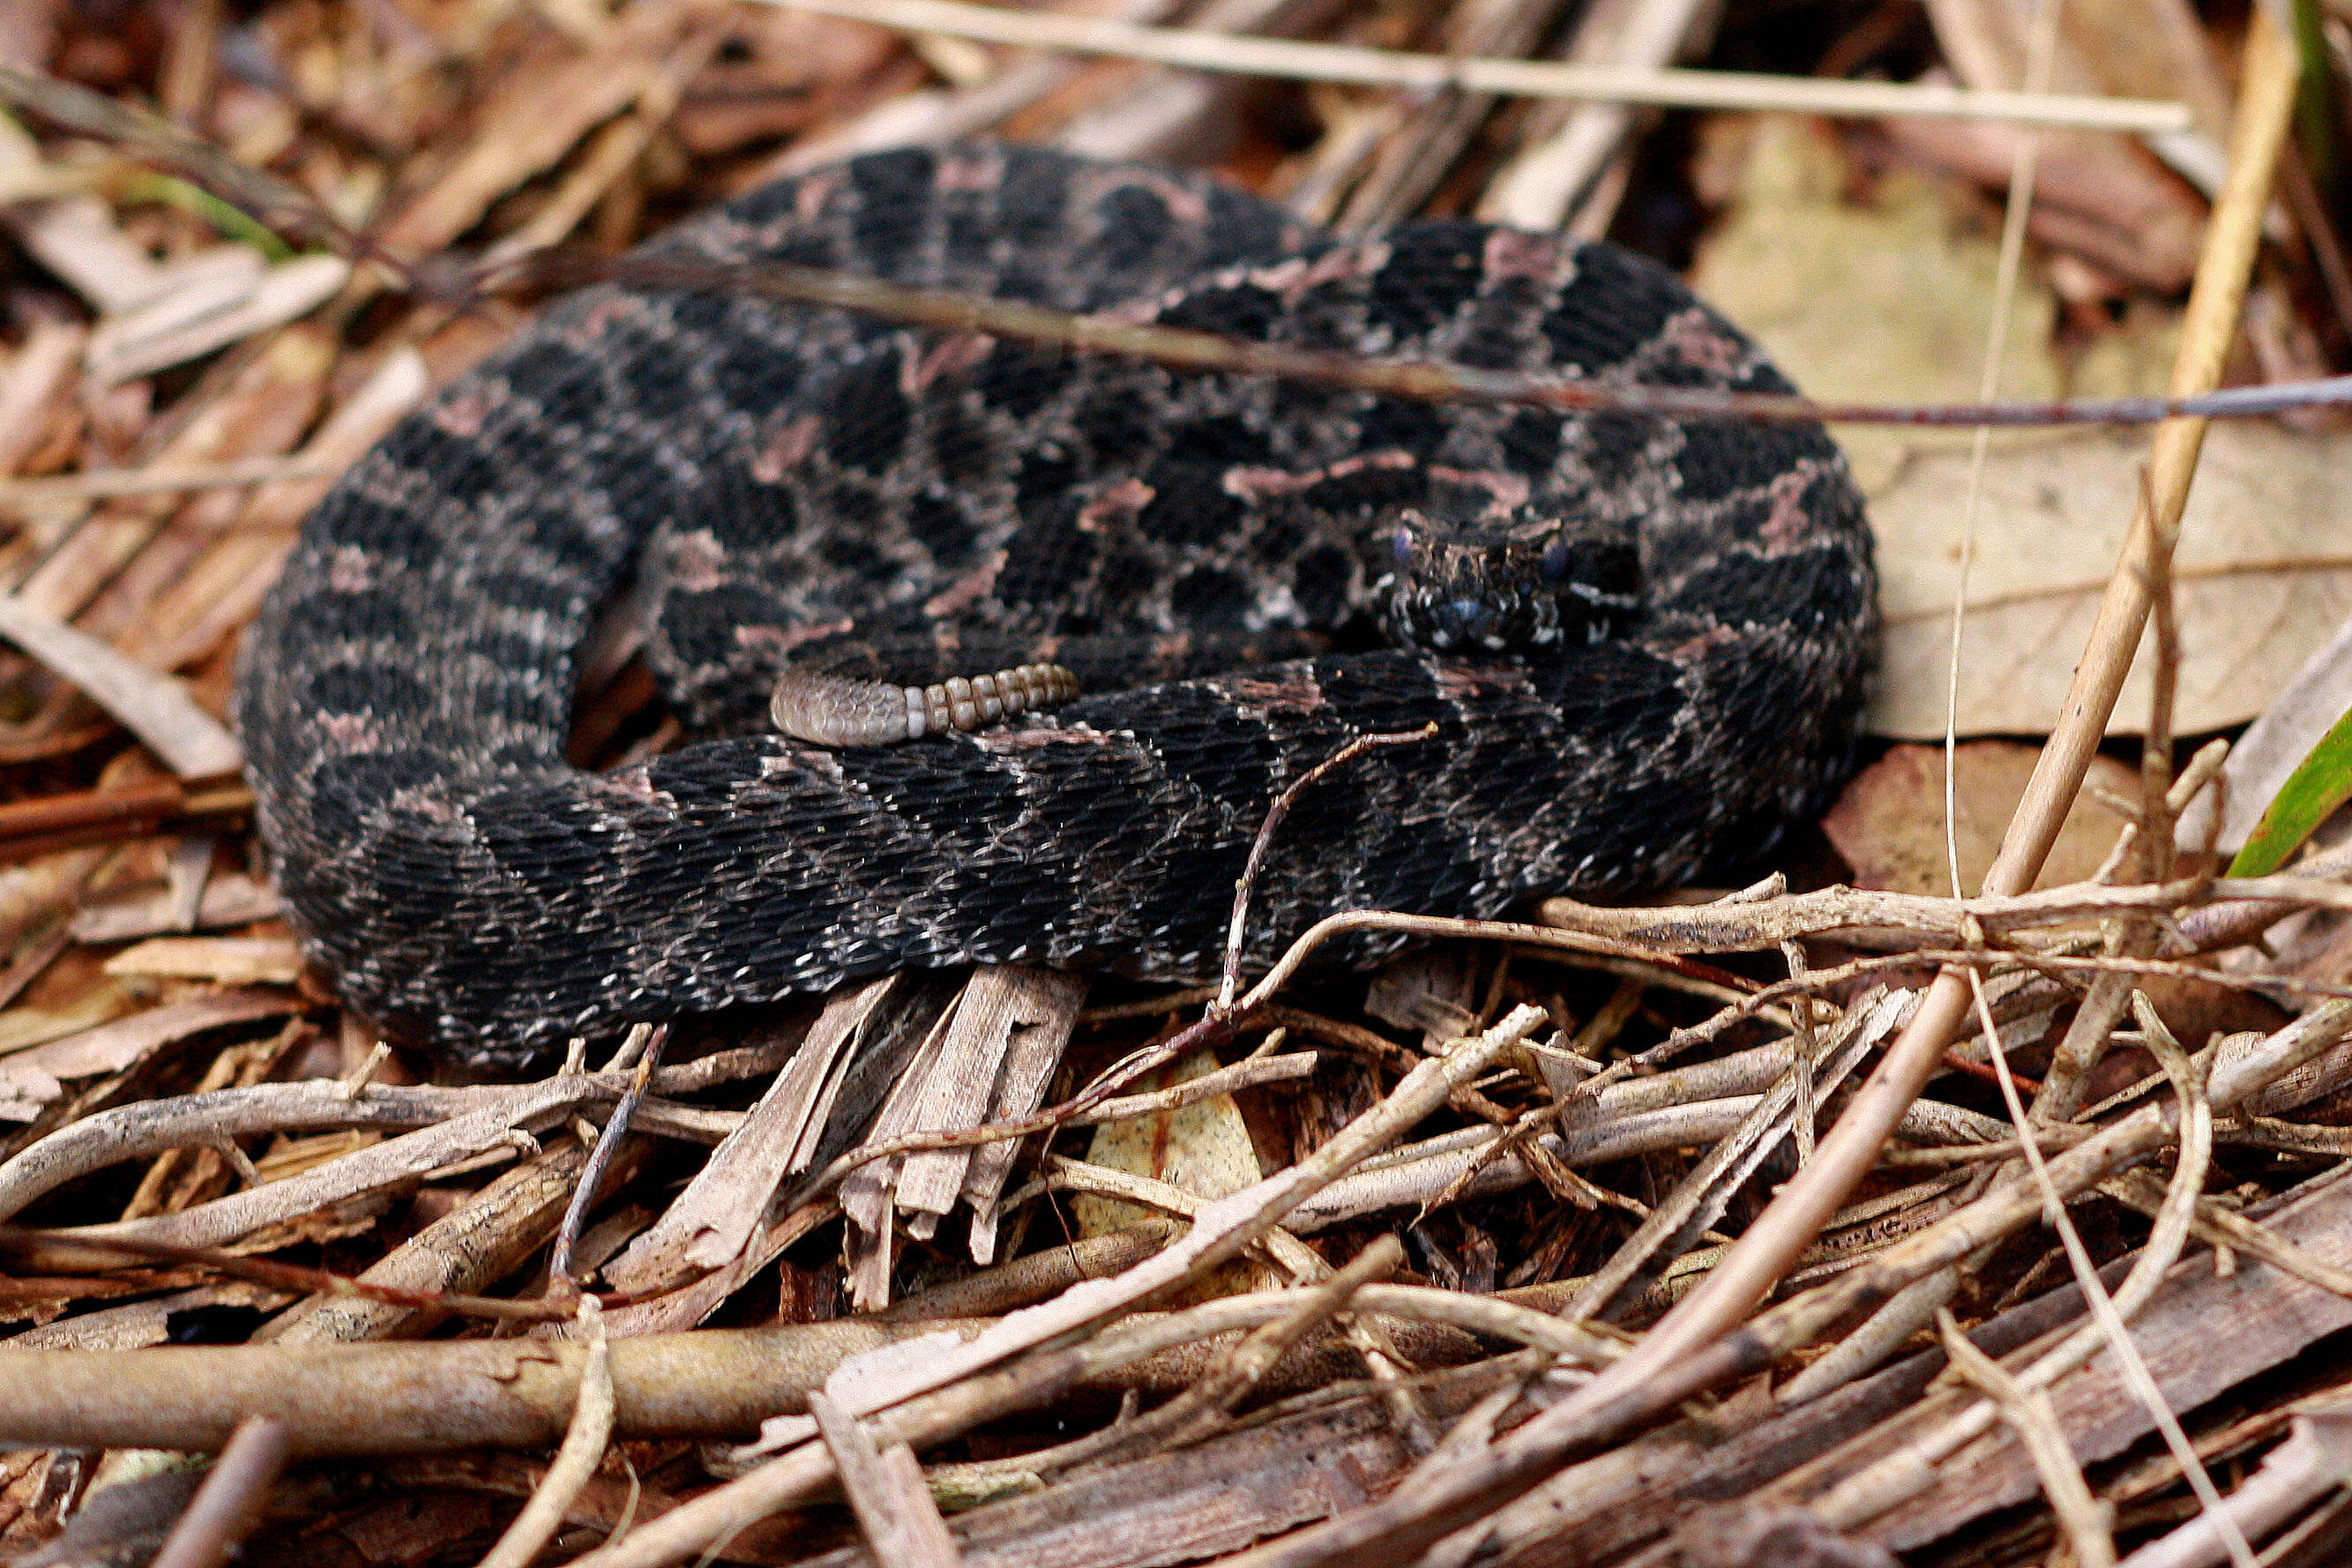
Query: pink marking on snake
[
  {"x": 1693, "y": 648},
  {"x": 695, "y": 561},
  {"x": 1513, "y": 254},
  {"x": 967, "y": 173},
  {"x": 351, "y": 570},
  {"x": 810, "y": 198},
  {"x": 967, "y": 590},
  {"x": 353, "y": 733},
  {"x": 631, "y": 784},
  {"x": 1268, "y": 484},
  {"x": 1004, "y": 741},
  {"x": 597, "y": 321},
  {"x": 952, "y": 356},
  {"x": 1118, "y": 503},
  {"x": 1470, "y": 680},
  {"x": 785, "y": 449},
  {"x": 1298, "y": 692},
  {"x": 782, "y": 641},
  {"x": 1789, "y": 523},
  {"x": 427, "y": 802},
  {"x": 1510, "y": 491},
  {"x": 1693, "y": 338},
  {"x": 1184, "y": 204},
  {"x": 1296, "y": 277},
  {"x": 463, "y": 414}
]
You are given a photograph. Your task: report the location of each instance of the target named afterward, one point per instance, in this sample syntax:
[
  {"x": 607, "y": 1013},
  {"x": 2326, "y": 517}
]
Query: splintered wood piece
[
  {"x": 886, "y": 1489},
  {"x": 710, "y": 1222},
  {"x": 229, "y": 898},
  {"x": 2203, "y": 1334},
  {"x": 958, "y": 1088},
  {"x": 1036, "y": 1008},
  {"x": 152, "y": 706}
]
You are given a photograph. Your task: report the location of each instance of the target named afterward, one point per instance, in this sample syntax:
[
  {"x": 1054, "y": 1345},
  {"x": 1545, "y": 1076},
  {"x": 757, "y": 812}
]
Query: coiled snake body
[{"x": 1642, "y": 641}]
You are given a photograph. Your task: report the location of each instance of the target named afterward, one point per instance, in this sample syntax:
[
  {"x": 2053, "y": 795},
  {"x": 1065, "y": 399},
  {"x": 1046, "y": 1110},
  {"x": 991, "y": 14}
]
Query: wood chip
[
  {"x": 152, "y": 706},
  {"x": 226, "y": 960},
  {"x": 230, "y": 899},
  {"x": 109, "y": 1047},
  {"x": 209, "y": 314},
  {"x": 886, "y": 1491}
]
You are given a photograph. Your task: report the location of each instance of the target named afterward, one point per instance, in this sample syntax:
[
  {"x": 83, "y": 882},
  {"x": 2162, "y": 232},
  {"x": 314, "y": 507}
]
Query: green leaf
[{"x": 2320, "y": 784}]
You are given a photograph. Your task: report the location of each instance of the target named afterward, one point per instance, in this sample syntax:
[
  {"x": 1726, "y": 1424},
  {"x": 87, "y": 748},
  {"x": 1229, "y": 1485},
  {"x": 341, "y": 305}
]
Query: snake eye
[
  {"x": 1401, "y": 546},
  {"x": 1555, "y": 561}
]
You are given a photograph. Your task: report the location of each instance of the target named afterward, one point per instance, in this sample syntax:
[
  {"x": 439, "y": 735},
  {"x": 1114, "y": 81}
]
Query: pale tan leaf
[
  {"x": 211, "y": 314},
  {"x": 1880, "y": 300},
  {"x": 152, "y": 706},
  {"x": 1203, "y": 1148},
  {"x": 33, "y": 381},
  {"x": 1887, "y": 299},
  {"x": 1889, "y": 822},
  {"x": 2264, "y": 577}
]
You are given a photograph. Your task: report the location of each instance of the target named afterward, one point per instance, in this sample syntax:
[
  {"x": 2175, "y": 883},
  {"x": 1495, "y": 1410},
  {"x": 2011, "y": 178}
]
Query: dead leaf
[
  {"x": 1203, "y": 1148},
  {"x": 210, "y": 313},
  {"x": 24, "y": 1027},
  {"x": 34, "y": 382},
  {"x": 31, "y": 1079},
  {"x": 2103, "y": 195},
  {"x": 541, "y": 111},
  {"x": 2264, "y": 572},
  {"x": 1801, "y": 267},
  {"x": 1889, "y": 823},
  {"x": 2099, "y": 197},
  {"x": 152, "y": 706},
  {"x": 232, "y": 899},
  {"x": 2263, "y": 577}
]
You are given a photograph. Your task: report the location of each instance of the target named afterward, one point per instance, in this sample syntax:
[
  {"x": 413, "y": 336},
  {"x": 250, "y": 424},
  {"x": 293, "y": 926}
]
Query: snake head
[{"x": 1520, "y": 585}]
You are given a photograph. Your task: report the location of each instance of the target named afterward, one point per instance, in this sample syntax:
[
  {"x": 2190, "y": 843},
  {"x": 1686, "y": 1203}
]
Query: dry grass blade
[
  {"x": 1431, "y": 73},
  {"x": 229, "y": 1504},
  {"x": 640, "y": 1051},
  {"x": 40, "y": 1251},
  {"x": 1417, "y": 379},
  {"x": 584, "y": 1442},
  {"x": 150, "y": 705},
  {"x": 284, "y": 206},
  {"x": 2088, "y": 1525},
  {"x": 464, "y": 1252},
  {"x": 1203, "y": 1407}
]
